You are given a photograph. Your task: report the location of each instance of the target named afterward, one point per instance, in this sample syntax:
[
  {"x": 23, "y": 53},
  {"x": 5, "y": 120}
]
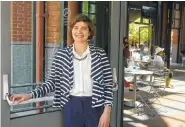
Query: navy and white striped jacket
[{"x": 62, "y": 74}]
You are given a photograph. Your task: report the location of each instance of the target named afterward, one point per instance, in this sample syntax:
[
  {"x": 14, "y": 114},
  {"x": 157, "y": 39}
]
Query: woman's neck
[{"x": 80, "y": 48}]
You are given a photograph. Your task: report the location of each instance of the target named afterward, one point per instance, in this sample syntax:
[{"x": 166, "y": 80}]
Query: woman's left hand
[{"x": 105, "y": 118}]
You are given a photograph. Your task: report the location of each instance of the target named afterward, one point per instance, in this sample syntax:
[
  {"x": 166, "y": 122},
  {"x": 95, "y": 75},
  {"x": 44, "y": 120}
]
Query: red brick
[
  {"x": 21, "y": 20},
  {"x": 53, "y": 21}
]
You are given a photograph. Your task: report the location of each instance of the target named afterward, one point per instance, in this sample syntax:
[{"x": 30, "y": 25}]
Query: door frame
[
  {"x": 118, "y": 30},
  {"x": 5, "y": 57},
  {"x": 5, "y": 68}
]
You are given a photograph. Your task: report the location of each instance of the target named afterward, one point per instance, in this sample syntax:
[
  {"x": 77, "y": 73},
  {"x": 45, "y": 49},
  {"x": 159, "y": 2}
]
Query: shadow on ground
[{"x": 169, "y": 107}]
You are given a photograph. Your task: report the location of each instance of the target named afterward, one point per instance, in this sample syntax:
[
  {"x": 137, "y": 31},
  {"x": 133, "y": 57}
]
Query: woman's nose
[{"x": 79, "y": 30}]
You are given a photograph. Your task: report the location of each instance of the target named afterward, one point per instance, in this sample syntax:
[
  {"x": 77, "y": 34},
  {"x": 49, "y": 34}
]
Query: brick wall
[
  {"x": 53, "y": 21},
  {"x": 21, "y": 21}
]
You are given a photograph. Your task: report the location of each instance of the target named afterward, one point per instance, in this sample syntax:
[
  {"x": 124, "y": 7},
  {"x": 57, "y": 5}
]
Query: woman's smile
[{"x": 80, "y": 32}]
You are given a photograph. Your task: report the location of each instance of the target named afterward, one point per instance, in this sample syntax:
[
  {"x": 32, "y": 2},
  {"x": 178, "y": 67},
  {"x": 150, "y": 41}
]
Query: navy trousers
[{"x": 78, "y": 112}]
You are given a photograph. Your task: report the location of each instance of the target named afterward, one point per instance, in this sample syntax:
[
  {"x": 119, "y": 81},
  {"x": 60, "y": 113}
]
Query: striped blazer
[{"x": 62, "y": 74}]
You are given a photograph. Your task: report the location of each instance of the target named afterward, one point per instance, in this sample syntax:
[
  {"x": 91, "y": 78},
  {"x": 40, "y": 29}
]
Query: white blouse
[
  {"x": 82, "y": 74},
  {"x": 158, "y": 61}
]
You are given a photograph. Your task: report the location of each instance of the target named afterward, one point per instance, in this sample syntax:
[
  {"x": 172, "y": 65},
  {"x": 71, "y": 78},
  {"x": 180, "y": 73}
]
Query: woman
[
  {"x": 142, "y": 51},
  {"x": 159, "y": 63},
  {"x": 81, "y": 78},
  {"x": 126, "y": 51},
  {"x": 126, "y": 54}
]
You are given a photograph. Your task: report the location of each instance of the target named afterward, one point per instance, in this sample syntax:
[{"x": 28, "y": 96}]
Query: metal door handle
[
  {"x": 115, "y": 81},
  {"x": 46, "y": 98},
  {"x": 6, "y": 94},
  {"x": 5, "y": 86}
]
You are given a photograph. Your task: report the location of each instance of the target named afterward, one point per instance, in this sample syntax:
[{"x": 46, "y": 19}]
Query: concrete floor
[{"x": 169, "y": 109}]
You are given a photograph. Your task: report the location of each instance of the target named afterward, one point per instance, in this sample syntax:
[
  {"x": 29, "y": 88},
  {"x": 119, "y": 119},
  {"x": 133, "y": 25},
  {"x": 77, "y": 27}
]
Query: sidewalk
[{"x": 173, "y": 101}]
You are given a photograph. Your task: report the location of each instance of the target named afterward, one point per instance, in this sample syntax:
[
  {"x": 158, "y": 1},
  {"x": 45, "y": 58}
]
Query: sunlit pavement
[{"x": 169, "y": 110}]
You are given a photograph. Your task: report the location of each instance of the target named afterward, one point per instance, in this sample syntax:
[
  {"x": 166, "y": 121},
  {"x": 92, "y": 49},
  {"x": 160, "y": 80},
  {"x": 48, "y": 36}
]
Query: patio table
[{"x": 136, "y": 73}]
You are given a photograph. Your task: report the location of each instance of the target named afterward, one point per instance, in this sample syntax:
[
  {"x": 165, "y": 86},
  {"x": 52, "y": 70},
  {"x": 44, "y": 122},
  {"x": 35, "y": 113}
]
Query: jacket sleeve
[
  {"x": 108, "y": 79},
  {"x": 49, "y": 85}
]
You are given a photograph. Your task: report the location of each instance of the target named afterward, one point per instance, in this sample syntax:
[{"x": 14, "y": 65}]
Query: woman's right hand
[{"x": 20, "y": 97}]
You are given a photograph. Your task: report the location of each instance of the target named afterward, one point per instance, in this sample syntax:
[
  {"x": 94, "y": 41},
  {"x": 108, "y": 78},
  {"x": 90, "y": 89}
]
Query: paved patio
[{"x": 170, "y": 109}]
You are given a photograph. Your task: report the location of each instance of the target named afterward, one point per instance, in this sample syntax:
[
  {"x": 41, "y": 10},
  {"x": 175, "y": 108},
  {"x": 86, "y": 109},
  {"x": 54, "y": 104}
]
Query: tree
[{"x": 145, "y": 32}]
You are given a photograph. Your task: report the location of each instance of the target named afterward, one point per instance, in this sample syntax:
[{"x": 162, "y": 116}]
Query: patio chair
[
  {"x": 141, "y": 102},
  {"x": 159, "y": 80},
  {"x": 158, "y": 85}
]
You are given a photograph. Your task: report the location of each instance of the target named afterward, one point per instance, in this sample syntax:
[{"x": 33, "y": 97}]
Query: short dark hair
[
  {"x": 125, "y": 38},
  {"x": 86, "y": 19}
]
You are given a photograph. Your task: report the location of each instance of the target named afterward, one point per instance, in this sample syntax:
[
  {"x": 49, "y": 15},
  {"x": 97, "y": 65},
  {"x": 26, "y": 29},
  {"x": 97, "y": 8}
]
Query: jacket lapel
[
  {"x": 95, "y": 62},
  {"x": 71, "y": 69}
]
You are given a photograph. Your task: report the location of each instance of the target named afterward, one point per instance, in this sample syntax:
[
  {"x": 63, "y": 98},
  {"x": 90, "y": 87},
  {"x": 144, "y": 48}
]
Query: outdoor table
[{"x": 136, "y": 73}]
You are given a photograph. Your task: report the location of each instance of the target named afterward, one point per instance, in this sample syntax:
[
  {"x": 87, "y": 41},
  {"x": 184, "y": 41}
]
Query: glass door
[
  {"x": 114, "y": 36},
  {"x": 49, "y": 119},
  {"x": 118, "y": 30}
]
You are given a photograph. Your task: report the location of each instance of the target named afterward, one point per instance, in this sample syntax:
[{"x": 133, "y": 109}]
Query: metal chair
[{"x": 158, "y": 85}]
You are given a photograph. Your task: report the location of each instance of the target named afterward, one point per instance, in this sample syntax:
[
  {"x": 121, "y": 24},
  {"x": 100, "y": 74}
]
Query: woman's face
[{"x": 80, "y": 32}]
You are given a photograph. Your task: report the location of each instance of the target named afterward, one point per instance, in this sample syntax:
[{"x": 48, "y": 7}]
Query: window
[
  {"x": 24, "y": 54},
  {"x": 134, "y": 14},
  {"x": 176, "y": 16},
  {"x": 89, "y": 9}
]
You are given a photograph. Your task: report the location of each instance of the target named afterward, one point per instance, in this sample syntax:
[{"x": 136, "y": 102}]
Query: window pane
[
  {"x": 134, "y": 14},
  {"x": 92, "y": 8},
  {"x": 21, "y": 65},
  {"x": 177, "y": 6},
  {"x": 85, "y": 7},
  {"x": 93, "y": 18},
  {"x": 92, "y": 2},
  {"x": 177, "y": 23},
  {"x": 23, "y": 53},
  {"x": 177, "y": 14}
]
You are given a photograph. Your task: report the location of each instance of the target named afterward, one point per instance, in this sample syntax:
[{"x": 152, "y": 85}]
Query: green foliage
[
  {"x": 145, "y": 32},
  {"x": 85, "y": 7}
]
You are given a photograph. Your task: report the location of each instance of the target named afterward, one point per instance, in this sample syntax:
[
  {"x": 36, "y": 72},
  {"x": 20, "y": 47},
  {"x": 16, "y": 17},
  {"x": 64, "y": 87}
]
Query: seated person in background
[
  {"x": 142, "y": 52},
  {"x": 126, "y": 51},
  {"x": 159, "y": 63}
]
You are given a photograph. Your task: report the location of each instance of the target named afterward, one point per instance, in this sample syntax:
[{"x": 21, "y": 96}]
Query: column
[{"x": 73, "y": 8}]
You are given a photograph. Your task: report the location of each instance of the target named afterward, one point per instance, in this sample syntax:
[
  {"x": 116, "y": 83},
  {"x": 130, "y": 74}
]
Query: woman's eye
[{"x": 84, "y": 28}]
